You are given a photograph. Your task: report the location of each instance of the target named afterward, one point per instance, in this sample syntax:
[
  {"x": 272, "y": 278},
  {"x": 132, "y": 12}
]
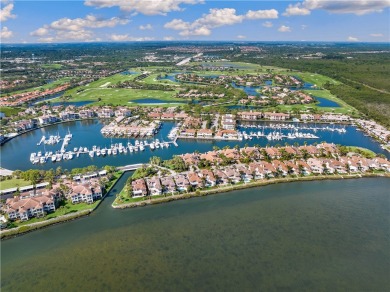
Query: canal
[{"x": 16, "y": 153}]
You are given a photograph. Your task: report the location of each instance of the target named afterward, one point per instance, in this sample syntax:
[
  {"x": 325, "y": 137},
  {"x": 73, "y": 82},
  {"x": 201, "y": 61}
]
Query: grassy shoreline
[{"x": 259, "y": 183}]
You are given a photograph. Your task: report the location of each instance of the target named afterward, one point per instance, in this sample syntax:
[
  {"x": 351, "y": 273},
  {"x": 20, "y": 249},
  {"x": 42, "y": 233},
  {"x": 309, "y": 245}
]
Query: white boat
[
  {"x": 98, "y": 152},
  {"x": 109, "y": 151},
  {"x": 70, "y": 155},
  {"x": 141, "y": 147},
  {"x": 39, "y": 154},
  {"x": 85, "y": 149},
  {"x": 114, "y": 151},
  {"x": 91, "y": 153},
  {"x": 125, "y": 150},
  {"x": 42, "y": 160},
  {"x": 59, "y": 157},
  {"x": 151, "y": 145},
  {"x": 104, "y": 151}
]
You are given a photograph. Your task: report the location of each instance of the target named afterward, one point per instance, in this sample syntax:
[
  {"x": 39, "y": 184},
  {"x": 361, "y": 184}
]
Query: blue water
[
  {"x": 242, "y": 107},
  {"x": 249, "y": 90},
  {"x": 301, "y": 236},
  {"x": 15, "y": 154},
  {"x": 75, "y": 103},
  {"x": 153, "y": 100},
  {"x": 323, "y": 102},
  {"x": 171, "y": 77},
  {"x": 128, "y": 73},
  {"x": 268, "y": 82}
]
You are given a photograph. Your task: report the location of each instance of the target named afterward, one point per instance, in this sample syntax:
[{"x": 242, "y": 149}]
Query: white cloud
[
  {"x": 352, "y": 39},
  {"x": 81, "y": 35},
  {"x": 297, "y": 9},
  {"x": 262, "y": 14},
  {"x": 168, "y": 38},
  {"x": 240, "y": 36},
  {"x": 47, "y": 40},
  {"x": 146, "y": 27},
  {"x": 148, "y": 7},
  {"x": 6, "y": 12},
  {"x": 284, "y": 28},
  {"x": 177, "y": 24},
  {"x": 200, "y": 31},
  {"x": 42, "y": 31},
  {"x": 5, "y": 33},
  {"x": 216, "y": 18},
  {"x": 126, "y": 37},
  {"x": 75, "y": 29},
  {"x": 268, "y": 24},
  {"x": 358, "y": 7},
  {"x": 219, "y": 17},
  {"x": 376, "y": 35},
  {"x": 89, "y": 21}
]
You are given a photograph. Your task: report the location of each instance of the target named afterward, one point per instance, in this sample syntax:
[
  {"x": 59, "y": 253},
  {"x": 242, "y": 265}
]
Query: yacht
[{"x": 91, "y": 153}]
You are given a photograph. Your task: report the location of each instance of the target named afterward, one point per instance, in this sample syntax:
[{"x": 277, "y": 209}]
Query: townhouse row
[
  {"x": 236, "y": 173},
  {"x": 40, "y": 202}
]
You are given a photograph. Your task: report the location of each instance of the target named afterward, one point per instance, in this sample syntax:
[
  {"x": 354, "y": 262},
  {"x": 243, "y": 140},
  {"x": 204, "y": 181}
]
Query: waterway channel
[
  {"x": 16, "y": 153},
  {"x": 303, "y": 236}
]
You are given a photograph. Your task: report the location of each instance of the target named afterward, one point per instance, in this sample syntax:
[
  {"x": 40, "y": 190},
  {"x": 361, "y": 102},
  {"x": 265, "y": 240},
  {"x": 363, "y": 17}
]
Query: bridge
[{"x": 130, "y": 167}]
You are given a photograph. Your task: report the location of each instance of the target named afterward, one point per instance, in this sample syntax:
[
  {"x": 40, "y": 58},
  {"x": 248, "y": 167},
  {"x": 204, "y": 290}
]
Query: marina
[
  {"x": 16, "y": 154},
  {"x": 114, "y": 149}
]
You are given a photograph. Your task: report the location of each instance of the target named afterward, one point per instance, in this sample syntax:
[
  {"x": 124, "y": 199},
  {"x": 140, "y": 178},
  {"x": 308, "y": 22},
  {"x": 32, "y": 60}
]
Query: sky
[{"x": 53, "y": 21}]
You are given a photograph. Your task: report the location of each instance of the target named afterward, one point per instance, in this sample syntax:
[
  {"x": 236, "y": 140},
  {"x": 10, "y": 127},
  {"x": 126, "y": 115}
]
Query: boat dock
[
  {"x": 286, "y": 126},
  {"x": 114, "y": 149}
]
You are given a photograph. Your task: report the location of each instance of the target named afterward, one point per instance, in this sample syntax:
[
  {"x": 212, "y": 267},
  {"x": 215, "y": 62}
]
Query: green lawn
[
  {"x": 12, "y": 183},
  {"x": 9, "y": 111},
  {"x": 51, "y": 66},
  {"x": 326, "y": 94},
  {"x": 66, "y": 208},
  {"x": 313, "y": 78},
  {"x": 364, "y": 151}
]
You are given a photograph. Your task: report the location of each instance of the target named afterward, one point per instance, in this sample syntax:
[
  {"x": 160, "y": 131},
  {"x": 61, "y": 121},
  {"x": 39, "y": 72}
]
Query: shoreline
[
  {"x": 253, "y": 184},
  {"x": 21, "y": 230},
  {"x": 18, "y": 231}
]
